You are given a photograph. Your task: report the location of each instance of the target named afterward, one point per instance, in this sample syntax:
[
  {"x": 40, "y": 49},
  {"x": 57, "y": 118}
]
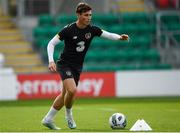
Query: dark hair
[{"x": 82, "y": 7}]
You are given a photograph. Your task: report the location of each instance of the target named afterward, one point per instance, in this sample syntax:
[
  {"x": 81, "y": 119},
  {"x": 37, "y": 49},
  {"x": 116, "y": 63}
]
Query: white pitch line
[{"x": 107, "y": 109}]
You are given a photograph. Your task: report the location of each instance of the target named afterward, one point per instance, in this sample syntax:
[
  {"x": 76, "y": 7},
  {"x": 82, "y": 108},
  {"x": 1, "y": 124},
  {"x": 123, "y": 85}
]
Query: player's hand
[
  {"x": 52, "y": 67},
  {"x": 124, "y": 37}
]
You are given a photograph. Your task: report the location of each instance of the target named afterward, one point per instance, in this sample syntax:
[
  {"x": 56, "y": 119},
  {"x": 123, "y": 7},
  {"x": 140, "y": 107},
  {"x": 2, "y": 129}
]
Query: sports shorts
[{"x": 67, "y": 71}]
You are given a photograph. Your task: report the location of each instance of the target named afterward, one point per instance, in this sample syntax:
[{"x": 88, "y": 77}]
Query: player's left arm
[{"x": 114, "y": 36}]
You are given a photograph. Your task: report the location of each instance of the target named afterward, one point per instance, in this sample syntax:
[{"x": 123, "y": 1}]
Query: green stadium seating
[
  {"x": 108, "y": 55},
  {"x": 139, "y": 17},
  {"x": 177, "y": 37},
  {"x": 110, "y": 67},
  {"x": 133, "y": 28},
  {"x": 64, "y": 19},
  {"x": 46, "y": 20},
  {"x": 142, "y": 42},
  {"x": 46, "y": 32},
  {"x": 171, "y": 23},
  {"x": 173, "y": 26},
  {"x": 151, "y": 55},
  {"x": 170, "y": 19},
  {"x": 41, "y": 42},
  {"x": 124, "y": 56},
  {"x": 40, "y": 32},
  {"x": 106, "y": 19},
  {"x": 154, "y": 66}
]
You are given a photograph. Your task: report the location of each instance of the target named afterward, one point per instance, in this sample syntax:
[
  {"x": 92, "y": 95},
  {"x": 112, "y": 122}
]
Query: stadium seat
[
  {"x": 173, "y": 26},
  {"x": 47, "y": 32},
  {"x": 170, "y": 19},
  {"x": 142, "y": 42},
  {"x": 105, "y": 19},
  {"x": 64, "y": 19},
  {"x": 133, "y": 28},
  {"x": 153, "y": 66},
  {"x": 111, "y": 67},
  {"x": 46, "y": 20},
  {"x": 108, "y": 67},
  {"x": 124, "y": 56},
  {"x": 152, "y": 55},
  {"x": 138, "y": 17},
  {"x": 177, "y": 37},
  {"x": 40, "y": 42},
  {"x": 40, "y": 32}
]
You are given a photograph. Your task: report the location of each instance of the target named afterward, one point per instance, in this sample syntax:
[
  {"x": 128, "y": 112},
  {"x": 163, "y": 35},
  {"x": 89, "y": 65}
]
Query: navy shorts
[{"x": 66, "y": 71}]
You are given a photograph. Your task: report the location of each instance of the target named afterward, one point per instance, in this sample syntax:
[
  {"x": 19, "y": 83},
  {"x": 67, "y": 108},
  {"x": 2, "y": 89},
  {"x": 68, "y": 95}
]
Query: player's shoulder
[
  {"x": 96, "y": 30},
  {"x": 69, "y": 26},
  {"x": 94, "y": 26}
]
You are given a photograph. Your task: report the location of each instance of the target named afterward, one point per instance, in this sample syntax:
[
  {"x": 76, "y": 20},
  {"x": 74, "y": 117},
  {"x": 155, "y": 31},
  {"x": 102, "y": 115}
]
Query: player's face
[{"x": 85, "y": 18}]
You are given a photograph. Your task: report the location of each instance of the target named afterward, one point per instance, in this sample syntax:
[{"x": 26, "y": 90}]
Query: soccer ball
[{"x": 117, "y": 121}]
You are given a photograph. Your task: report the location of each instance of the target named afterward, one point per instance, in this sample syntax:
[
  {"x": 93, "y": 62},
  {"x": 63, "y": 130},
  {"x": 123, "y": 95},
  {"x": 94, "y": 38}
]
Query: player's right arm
[
  {"x": 109, "y": 35},
  {"x": 114, "y": 36},
  {"x": 50, "y": 50}
]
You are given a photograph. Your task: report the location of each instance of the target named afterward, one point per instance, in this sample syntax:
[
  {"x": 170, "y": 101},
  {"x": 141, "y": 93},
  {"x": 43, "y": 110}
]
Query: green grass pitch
[{"x": 92, "y": 114}]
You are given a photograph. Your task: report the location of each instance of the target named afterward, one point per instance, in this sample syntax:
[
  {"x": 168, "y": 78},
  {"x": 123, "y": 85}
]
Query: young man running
[{"x": 77, "y": 38}]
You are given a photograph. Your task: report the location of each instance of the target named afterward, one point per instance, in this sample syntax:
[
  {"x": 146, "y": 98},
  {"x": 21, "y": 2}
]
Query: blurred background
[{"x": 26, "y": 26}]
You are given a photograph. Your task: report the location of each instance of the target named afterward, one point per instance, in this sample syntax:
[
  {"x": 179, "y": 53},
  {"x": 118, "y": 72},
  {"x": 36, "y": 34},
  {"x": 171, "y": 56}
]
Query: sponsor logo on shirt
[{"x": 74, "y": 37}]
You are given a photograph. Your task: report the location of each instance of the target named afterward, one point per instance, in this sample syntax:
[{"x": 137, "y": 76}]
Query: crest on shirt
[
  {"x": 88, "y": 35},
  {"x": 68, "y": 73}
]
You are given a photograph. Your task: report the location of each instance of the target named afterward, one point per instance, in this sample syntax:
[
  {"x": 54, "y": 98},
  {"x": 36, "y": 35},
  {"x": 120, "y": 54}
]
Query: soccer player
[{"x": 77, "y": 38}]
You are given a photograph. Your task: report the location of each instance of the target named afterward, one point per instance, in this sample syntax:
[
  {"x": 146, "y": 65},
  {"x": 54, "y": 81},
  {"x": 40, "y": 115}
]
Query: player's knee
[
  {"x": 56, "y": 106},
  {"x": 72, "y": 91}
]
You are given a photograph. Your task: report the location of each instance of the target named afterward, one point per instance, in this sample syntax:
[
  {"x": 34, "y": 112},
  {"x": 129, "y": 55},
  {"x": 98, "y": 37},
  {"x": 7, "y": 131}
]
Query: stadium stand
[
  {"x": 152, "y": 36},
  {"x": 131, "y": 5},
  {"x": 139, "y": 53},
  {"x": 18, "y": 53}
]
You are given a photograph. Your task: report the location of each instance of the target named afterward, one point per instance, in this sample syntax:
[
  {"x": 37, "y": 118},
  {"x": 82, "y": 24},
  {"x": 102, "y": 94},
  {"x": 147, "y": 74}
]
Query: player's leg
[
  {"x": 59, "y": 101},
  {"x": 70, "y": 86},
  {"x": 57, "y": 105}
]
